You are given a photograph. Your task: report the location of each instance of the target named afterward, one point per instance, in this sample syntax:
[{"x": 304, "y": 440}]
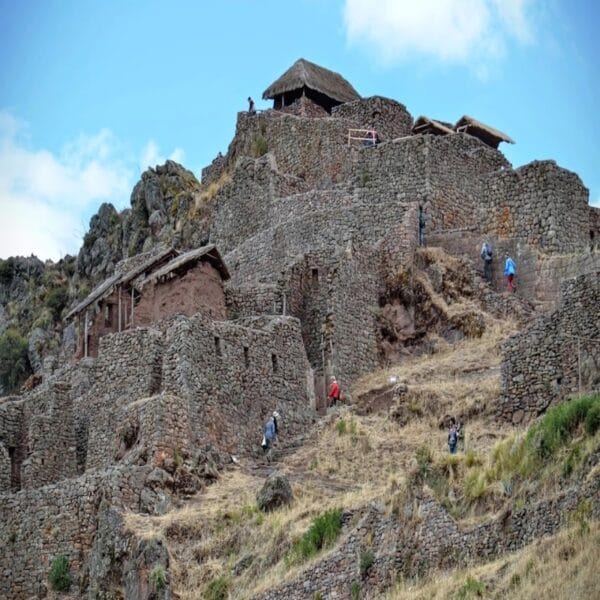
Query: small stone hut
[
  {"x": 488, "y": 135},
  {"x": 164, "y": 285},
  {"x": 425, "y": 125},
  {"x": 305, "y": 82}
]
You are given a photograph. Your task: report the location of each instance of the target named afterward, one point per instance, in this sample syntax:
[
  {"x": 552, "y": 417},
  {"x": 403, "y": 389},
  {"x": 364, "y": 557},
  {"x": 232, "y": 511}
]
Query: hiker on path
[
  {"x": 334, "y": 392},
  {"x": 251, "y": 106},
  {"x": 486, "y": 255},
  {"x": 452, "y": 436},
  {"x": 270, "y": 435},
  {"x": 510, "y": 270},
  {"x": 422, "y": 221}
]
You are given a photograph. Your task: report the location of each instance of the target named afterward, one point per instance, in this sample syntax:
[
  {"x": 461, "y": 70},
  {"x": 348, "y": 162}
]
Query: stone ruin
[{"x": 310, "y": 226}]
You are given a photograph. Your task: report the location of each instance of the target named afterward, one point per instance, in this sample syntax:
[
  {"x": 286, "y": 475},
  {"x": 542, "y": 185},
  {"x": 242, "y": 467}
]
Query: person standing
[
  {"x": 334, "y": 392},
  {"x": 270, "y": 435},
  {"x": 422, "y": 221},
  {"x": 510, "y": 270},
  {"x": 251, "y": 106},
  {"x": 452, "y": 436},
  {"x": 487, "y": 255}
]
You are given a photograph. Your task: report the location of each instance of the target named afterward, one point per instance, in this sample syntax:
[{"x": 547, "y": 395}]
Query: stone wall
[
  {"x": 539, "y": 204},
  {"x": 235, "y": 374},
  {"x": 51, "y": 444},
  {"x": 252, "y": 300},
  {"x": 422, "y": 540},
  {"x": 128, "y": 368},
  {"x": 544, "y": 363},
  {"x": 36, "y": 525},
  {"x": 389, "y": 118}
]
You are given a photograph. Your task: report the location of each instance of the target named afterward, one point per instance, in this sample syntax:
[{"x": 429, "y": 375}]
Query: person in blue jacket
[
  {"x": 270, "y": 435},
  {"x": 510, "y": 270}
]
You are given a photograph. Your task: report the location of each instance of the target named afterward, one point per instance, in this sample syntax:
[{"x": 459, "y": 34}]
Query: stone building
[
  {"x": 314, "y": 215},
  {"x": 305, "y": 85},
  {"x": 148, "y": 289},
  {"x": 182, "y": 356}
]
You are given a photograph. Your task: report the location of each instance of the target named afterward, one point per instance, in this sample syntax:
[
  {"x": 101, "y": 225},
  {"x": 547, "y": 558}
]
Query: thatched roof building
[
  {"x": 305, "y": 79},
  {"x": 492, "y": 137},
  {"x": 426, "y": 125}
]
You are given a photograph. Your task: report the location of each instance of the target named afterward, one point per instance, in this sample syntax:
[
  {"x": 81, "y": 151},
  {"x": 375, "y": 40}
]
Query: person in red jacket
[{"x": 334, "y": 392}]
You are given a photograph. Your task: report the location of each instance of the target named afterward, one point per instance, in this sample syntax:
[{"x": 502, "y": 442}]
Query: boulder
[{"x": 275, "y": 492}]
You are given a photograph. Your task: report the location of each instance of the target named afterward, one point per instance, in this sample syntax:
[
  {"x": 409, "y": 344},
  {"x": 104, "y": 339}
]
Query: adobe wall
[
  {"x": 200, "y": 289},
  {"x": 36, "y": 525},
  {"x": 234, "y": 376},
  {"x": 540, "y": 364}
]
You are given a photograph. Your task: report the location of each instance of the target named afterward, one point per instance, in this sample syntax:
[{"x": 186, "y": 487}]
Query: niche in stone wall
[
  {"x": 218, "y": 350},
  {"x": 15, "y": 468},
  {"x": 275, "y": 363},
  {"x": 315, "y": 276},
  {"x": 246, "y": 356}
]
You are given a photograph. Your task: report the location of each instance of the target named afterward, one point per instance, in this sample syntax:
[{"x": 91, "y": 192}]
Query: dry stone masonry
[{"x": 313, "y": 228}]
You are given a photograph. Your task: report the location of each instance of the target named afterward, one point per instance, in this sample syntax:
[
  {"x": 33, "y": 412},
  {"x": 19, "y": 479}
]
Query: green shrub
[
  {"x": 259, "y": 146},
  {"x": 355, "y": 590},
  {"x": 318, "y": 596},
  {"x": 158, "y": 577},
  {"x": 217, "y": 589},
  {"x": 322, "y": 533},
  {"x": 559, "y": 424},
  {"x": 7, "y": 270},
  {"x": 56, "y": 299},
  {"x": 592, "y": 419},
  {"x": 471, "y": 587},
  {"x": 367, "y": 558},
  {"x": 341, "y": 426},
  {"x": 59, "y": 575},
  {"x": 14, "y": 361}
]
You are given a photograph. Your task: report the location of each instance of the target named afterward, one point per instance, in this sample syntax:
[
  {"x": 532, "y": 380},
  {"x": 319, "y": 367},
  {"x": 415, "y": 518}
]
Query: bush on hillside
[
  {"x": 14, "y": 362},
  {"x": 7, "y": 270},
  {"x": 322, "y": 533},
  {"x": 56, "y": 300}
]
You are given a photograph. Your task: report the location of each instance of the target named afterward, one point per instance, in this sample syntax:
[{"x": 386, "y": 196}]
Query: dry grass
[
  {"x": 561, "y": 567},
  {"x": 347, "y": 462},
  {"x": 467, "y": 356},
  {"x": 211, "y": 190}
]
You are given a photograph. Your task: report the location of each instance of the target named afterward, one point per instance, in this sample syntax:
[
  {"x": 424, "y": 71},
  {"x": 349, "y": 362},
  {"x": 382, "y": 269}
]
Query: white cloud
[
  {"x": 45, "y": 196},
  {"x": 452, "y": 31},
  {"x": 151, "y": 156}
]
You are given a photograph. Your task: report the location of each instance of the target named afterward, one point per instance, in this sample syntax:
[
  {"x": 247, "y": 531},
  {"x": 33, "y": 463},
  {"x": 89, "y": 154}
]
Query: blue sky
[{"x": 93, "y": 92}]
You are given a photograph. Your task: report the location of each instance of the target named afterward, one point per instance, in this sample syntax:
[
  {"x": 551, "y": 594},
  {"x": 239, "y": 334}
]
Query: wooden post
[
  {"x": 119, "y": 309},
  {"x": 85, "y": 335}
]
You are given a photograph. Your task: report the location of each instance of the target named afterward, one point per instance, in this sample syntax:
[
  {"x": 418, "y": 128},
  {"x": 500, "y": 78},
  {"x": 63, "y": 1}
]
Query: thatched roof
[
  {"x": 304, "y": 73},
  {"x": 208, "y": 253},
  {"x": 107, "y": 286},
  {"x": 484, "y": 132},
  {"x": 426, "y": 125}
]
